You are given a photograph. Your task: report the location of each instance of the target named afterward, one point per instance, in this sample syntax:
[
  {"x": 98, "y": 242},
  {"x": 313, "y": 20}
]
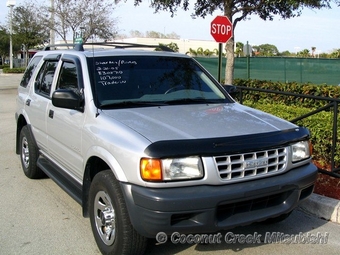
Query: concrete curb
[{"x": 323, "y": 207}]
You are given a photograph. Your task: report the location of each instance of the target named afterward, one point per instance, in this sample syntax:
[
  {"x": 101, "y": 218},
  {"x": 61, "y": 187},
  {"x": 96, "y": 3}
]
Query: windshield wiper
[
  {"x": 128, "y": 104},
  {"x": 193, "y": 101}
]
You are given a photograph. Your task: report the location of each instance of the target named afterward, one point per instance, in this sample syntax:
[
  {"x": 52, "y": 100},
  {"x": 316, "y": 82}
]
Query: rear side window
[
  {"x": 29, "y": 71},
  {"x": 45, "y": 77}
]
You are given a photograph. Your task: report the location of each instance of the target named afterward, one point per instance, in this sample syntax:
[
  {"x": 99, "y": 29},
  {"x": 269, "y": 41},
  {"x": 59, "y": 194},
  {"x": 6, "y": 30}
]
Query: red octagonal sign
[{"x": 221, "y": 29}]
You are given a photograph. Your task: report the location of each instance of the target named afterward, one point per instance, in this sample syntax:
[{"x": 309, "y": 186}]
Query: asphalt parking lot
[{"x": 37, "y": 217}]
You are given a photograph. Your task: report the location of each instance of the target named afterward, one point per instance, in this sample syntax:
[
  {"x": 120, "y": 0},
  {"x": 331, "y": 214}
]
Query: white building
[{"x": 183, "y": 44}]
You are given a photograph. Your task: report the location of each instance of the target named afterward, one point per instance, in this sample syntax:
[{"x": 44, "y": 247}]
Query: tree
[
  {"x": 335, "y": 53},
  {"x": 192, "y": 52},
  {"x": 285, "y": 53},
  {"x": 239, "y": 49},
  {"x": 304, "y": 53},
  {"x": 313, "y": 51},
  {"x": 28, "y": 28},
  {"x": 199, "y": 51},
  {"x": 266, "y": 50},
  {"x": 240, "y": 9},
  {"x": 89, "y": 18},
  {"x": 207, "y": 53},
  {"x": 173, "y": 35},
  {"x": 136, "y": 33},
  {"x": 4, "y": 43},
  {"x": 154, "y": 34},
  {"x": 171, "y": 45}
]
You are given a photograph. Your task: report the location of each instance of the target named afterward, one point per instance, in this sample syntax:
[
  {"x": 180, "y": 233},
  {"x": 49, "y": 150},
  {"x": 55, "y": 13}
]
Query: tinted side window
[
  {"x": 44, "y": 78},
  {"x": 68, "y": 77},
  {"x": 29, "y": 71}
]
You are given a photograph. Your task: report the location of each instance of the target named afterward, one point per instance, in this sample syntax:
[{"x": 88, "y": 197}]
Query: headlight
[
  {"x": 182, "y": 168},
  {"x": 301, "y": 150},
  {"x": 171, "y": 169}
]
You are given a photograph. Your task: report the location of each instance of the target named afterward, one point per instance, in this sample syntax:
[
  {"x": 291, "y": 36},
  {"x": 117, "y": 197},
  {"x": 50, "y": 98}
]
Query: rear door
[{"x": 40, "y": 97}]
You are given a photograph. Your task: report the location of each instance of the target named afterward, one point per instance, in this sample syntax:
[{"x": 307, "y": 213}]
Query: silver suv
[{"x": 147, "y": 141}]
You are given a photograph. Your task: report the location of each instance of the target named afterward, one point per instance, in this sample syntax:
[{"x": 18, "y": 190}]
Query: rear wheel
[
  {"x": 29, "y": 155},
  {"x": 109, "y": 218}
]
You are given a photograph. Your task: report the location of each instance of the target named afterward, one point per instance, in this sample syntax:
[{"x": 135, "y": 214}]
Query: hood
[{"x": 200, "y": 121}]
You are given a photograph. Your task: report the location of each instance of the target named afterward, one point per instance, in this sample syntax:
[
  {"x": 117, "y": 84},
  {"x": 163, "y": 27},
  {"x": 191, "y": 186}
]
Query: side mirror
[
  {"x": 66, "y": 98},
  {"x": 231, "y": 89}
]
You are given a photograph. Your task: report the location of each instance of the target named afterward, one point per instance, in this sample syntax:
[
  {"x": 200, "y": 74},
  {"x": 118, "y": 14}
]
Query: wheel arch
[
  {"x": 21, "y": 122},
  {"x": 94, "y": 165}
]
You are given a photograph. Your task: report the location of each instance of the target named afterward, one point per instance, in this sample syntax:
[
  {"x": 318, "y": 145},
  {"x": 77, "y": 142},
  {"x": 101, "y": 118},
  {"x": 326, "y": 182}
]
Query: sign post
[
  {"x": 221, "y": 30},
  {"x": 248, "y": 50}
]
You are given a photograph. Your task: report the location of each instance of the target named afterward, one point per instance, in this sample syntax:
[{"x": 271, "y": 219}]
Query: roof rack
[{"x": 116, "y": 45}]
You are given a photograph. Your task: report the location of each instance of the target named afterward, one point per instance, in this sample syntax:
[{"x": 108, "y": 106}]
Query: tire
[
  {"x": 29, "y": 155},
  {"x": 276, "y": 219},
  {"x": 109, "y": 218}
]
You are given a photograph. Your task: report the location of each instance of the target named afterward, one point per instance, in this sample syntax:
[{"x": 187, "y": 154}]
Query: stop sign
[{"x": 221, "y": 29}]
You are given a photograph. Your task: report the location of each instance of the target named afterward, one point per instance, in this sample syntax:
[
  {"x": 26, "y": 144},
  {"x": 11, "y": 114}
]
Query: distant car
[{"x": 149, "y": 142}]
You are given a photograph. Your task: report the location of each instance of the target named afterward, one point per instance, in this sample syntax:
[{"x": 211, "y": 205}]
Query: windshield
[{"x": 150, "y": 80}]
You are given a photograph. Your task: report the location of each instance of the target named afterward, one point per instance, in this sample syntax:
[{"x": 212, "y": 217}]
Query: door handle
[{"x": 50, "y": 114}]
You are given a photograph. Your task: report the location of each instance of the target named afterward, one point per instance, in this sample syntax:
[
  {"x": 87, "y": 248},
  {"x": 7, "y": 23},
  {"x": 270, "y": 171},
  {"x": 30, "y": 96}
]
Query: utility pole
[
  {"x": 52, "y": 32},
  {"x": 10, "y": 4}
]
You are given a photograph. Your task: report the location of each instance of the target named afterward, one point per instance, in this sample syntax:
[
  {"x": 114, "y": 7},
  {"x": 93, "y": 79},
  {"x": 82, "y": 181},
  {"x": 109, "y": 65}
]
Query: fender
[
  {"x": 108, "y": 158},
  {"x": 22, "y": 121}
]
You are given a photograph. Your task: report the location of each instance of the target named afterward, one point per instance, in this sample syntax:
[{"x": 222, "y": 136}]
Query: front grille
[{"x": 252, "y": 165}]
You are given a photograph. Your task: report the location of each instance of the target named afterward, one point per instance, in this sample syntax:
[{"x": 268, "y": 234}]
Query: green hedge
[
  {"x": 288, "y": 107},
  {"x": 13, "y": 70},
  {"x": 293, "y": 87}
]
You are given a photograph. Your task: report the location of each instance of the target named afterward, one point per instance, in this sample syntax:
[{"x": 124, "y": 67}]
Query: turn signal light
[{"x": 151, "y": 169}]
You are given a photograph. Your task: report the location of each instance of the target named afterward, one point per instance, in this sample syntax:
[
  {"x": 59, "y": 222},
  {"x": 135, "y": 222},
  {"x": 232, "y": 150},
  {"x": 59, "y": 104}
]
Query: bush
[
  {"x": 289, "y": 108},
  {"x": 292, "y": 87},
  {"x": 14, "y": 70}
]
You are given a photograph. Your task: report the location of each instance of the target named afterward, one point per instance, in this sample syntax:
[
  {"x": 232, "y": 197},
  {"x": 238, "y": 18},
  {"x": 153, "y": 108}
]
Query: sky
[{"x": 314, "y": 28}]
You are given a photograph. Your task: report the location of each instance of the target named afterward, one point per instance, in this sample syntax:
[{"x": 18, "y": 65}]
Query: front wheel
[{"x": 109, "y": 218}]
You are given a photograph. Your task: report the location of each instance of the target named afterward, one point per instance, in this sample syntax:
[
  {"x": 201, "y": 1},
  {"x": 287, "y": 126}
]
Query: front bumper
[{"x": 207, "y": 209}]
